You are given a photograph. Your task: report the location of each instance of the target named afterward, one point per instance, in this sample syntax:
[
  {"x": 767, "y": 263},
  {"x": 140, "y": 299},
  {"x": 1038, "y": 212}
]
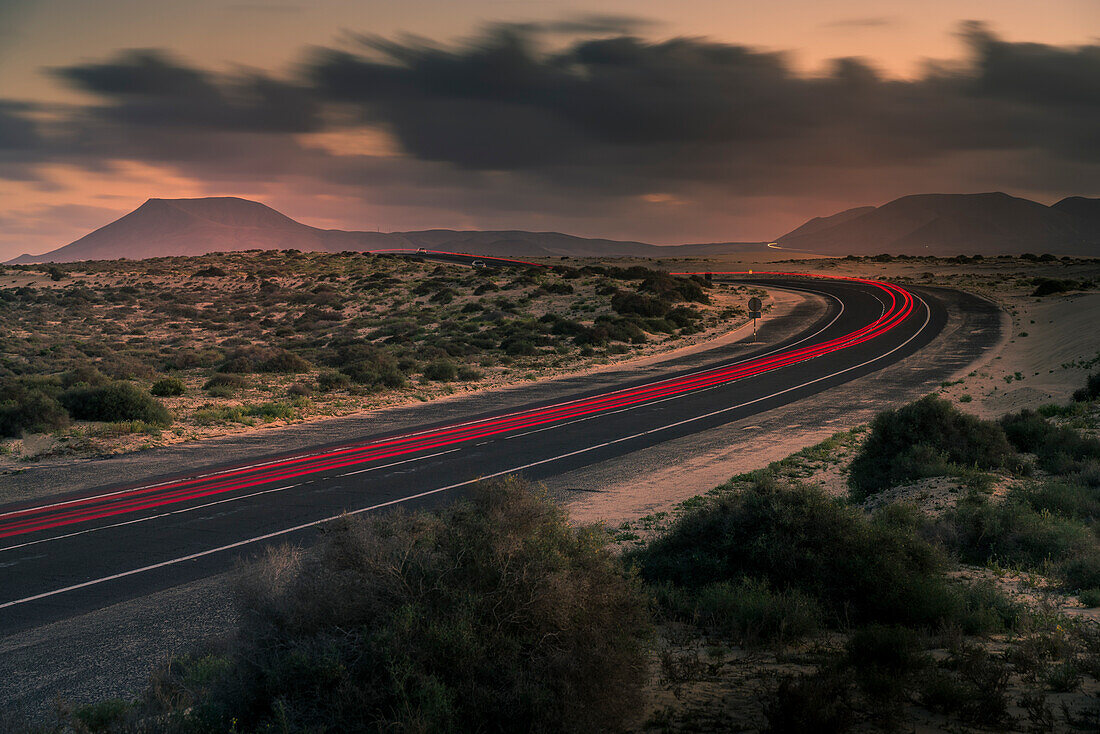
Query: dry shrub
[{"x": 490, "y": 615}]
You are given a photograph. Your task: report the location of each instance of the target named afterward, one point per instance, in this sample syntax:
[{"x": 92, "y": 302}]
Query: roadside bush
[
  {"x": 331, "y": 380},
  {"x": 1062, "y": 498},
  {"x": 365, "y": 364},
  {"x": 1060, "y": 449},
  {"x": 223, "y": 386},
  {"x": 749, "y": 611},
  {"x": 1013, "y": 533},
  {"x": 491, "y": 615},
  {"x": 263, "y": 360},
  {"x": 639, "y": 304},
  {"x": 924, "y": 439},
  {"x": 1090, "y": 391},
  {"x": 441, "y": 371},
  {"x": 116, "y": 401},
  {"x": 28, "y": 409},
  {"x": 795, "y": 538},
  {"x": 84, "y": 374},
  {"x": 168, "y": 387}
]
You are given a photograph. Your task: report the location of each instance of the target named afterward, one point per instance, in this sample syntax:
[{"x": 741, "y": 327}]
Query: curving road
[{"x": 73, "y": 553}]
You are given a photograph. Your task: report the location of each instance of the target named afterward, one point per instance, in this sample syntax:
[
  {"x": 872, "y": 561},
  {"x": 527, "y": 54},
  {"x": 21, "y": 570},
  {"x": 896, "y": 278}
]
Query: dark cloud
[
  {"x": 17, "y": 131},
  {"x": 150, "y": 88},
  {"x": 624, "y": 109},
  {"x": 512, "y": 126}
]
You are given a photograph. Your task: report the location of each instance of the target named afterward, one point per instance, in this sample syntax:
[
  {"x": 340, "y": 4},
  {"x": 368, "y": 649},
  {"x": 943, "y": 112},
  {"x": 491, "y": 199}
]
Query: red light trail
[{"x": 898, "y": 305}]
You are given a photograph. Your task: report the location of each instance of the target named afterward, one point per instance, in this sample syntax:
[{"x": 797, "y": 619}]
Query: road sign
[{"x": 755, "y": 307}]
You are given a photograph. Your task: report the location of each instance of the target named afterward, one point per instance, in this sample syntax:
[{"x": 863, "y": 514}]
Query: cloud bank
[{"x": 588, "y": 123}]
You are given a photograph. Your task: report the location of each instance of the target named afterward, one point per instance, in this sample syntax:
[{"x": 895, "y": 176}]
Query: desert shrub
[
  {"x": 820, "y": 702},
  {"x": 330, "y": 380},
  {"x": 1050, "y": 286},
  {"x": 222, "y": 385},
  {"x": 283, "y": 361},
  {"x": 29, "y": 408},
  {"x": 210, "y": 272},
  {"x": 1011, "y": 532},
  {"x": 468, "y": 373},
  {"x": 493, "y": 614},
  {"x": 1090, "y": 597},
  {"x": 84, "y": 374},
  {"x": 628, "y": 303},
  {"x": 518, "y": 347},
  {"x": 441, "y": 370},
  {"x": 885, "y": 659},
  {"x": 300, "y": 389},
  {"x": 1062, "y": 498},
  {"x": 671, "y": 288},
  {"x": 1060, "y": 449},
  {"x": 1090, "y": 391},
  {"x": 366, "y": 364},
  {"x": 263, "y": 360},
  {"x": 749, "y": 611},
  {"x": 971, "y": 684},
  {"x": 115, "y": 401},
  {"x": 927, "y": 438},
  {"x": 859, "y": 569},
  {"x": 168, "y": 387}
]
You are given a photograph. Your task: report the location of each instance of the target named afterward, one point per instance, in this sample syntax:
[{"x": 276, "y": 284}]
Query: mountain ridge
[{"x": 989, "y": 223}]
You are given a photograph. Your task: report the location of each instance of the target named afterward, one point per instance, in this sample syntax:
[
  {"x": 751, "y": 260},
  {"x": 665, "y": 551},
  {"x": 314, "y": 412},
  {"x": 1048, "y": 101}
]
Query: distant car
[
  {"x": 478, "y": 263},
  {"x": 421, "y": 249}
]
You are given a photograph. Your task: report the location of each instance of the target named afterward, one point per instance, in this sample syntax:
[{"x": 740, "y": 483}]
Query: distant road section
[{"x": 74, "y": 553}]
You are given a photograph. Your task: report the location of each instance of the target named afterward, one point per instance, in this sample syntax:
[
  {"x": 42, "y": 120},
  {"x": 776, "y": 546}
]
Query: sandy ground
[
  {"x": 1061, "y": 345},
  {"x": 1040, "y": 362}
]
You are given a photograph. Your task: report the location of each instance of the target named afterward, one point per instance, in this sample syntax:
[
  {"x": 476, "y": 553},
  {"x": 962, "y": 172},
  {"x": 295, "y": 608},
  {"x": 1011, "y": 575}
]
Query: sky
[{"x": 694, "y": 121}]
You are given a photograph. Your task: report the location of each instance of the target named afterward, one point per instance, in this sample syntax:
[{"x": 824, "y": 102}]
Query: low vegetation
[
  {"x": 925, "y": 439},
  {"x": 206, "y": 336}
]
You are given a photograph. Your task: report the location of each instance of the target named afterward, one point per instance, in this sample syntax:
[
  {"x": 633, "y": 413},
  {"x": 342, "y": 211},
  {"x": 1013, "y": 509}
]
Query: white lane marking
[
  {"x": 351, "y": 447},
  {"x": 315, "y": 523},
  {"x": 209, "y": 504}
]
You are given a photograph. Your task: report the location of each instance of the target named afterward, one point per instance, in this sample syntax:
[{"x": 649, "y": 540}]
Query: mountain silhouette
[
  {"x": 954, "y": 224},
  {"x": 167, "y": 227}
]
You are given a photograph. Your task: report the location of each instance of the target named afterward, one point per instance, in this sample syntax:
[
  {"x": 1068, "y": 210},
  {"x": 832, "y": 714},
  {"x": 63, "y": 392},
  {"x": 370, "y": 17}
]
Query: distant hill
[
  {"x": 953, "y": 224},
  {"x": 165, "y": 227}
]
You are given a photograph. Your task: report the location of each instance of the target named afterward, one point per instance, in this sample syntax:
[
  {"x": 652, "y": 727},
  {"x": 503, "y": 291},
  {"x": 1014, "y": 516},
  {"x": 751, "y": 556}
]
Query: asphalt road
[{"x": 66, "y": 555}]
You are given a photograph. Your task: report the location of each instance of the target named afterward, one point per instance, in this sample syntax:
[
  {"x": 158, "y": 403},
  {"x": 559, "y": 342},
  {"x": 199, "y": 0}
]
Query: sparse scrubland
[
  {"x": 101, "y": 357},
  {"x": 765, "y": 605}
]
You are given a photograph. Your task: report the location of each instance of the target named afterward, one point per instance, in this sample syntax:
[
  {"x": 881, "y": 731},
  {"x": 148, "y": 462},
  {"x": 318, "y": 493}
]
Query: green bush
[
  {"x": 29, "y": 408},
  {"x": 116, "y": 401},
  {"x": 331, "y": 380},
  {"x": 168, "y": 387},
  {"x": 491, "y": 615},
  {"x": 1011, "y": 532},
  {"x": 1068, "y": 499},
  {"x": 441, "y": 370},
  {"x": 748, "y": 611},
  {"x": 1090, "y": 391},
  {"x": 924, "y": 439},
  {"x": 1090, "y": 598},
  {"x": 1060, "y": 449},
  {"x": 859, "y": 569},
  {"x": 224, "y": 386}
]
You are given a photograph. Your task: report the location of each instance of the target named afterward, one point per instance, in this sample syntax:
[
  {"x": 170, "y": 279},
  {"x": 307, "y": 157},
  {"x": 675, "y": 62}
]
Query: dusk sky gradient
[{"x": 695, "y": 121}]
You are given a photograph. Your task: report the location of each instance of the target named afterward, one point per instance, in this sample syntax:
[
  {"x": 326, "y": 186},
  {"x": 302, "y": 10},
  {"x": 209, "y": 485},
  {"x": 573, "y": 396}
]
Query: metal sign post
[{"x": 754, "y": 310}]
